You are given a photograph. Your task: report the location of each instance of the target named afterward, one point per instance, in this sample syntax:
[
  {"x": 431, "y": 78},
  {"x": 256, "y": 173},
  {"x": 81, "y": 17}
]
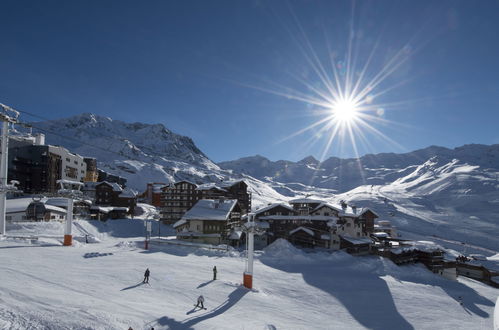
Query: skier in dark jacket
[
  {"x": 200, "y": 302},
  {"x": 146, "y": 276},
  {"x": 214, "y": 273}
]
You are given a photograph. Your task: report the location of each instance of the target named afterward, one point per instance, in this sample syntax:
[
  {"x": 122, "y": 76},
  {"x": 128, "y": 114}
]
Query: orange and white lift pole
[
  {"x": 70, "y": 190},
  {"x": 250, "y": 243}
]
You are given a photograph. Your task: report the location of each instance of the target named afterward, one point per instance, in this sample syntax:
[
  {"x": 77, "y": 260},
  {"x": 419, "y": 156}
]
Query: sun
[{"x": 344, "y": 111}]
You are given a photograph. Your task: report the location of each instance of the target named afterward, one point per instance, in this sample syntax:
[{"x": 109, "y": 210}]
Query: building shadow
[
  {"x": 188, "y": 323},
  {"x": 353, "y": 289}
]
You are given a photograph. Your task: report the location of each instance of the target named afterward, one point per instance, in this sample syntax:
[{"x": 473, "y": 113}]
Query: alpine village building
[
  {"x": 179, "y": 197},
  {"x": 211, "y": 221}
]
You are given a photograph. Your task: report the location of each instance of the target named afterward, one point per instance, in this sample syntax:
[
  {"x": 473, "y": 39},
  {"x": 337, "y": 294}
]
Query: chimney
[
  {"x": 343, "y": 205},
  {"x": 40, "y": 139}
]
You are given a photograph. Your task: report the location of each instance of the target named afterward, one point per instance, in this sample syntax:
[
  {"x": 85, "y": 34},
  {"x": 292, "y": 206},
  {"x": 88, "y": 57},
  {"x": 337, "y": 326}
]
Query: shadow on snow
[{"x": 188, "y": 323}]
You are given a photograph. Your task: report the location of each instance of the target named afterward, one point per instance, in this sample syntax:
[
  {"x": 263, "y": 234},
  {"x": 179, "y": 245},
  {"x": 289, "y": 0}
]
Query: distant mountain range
[{"x": 433, "y": 190}]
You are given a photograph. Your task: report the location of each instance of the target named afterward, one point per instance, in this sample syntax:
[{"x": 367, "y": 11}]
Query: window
[
  {"x": 348, "y": 224},
  {"x": 326, "y": 214},
  {"x": 8, "y": 217}
]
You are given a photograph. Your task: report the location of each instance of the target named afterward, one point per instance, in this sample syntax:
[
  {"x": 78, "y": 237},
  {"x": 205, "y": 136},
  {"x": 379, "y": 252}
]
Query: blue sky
[{"x": 227, "y": 73}]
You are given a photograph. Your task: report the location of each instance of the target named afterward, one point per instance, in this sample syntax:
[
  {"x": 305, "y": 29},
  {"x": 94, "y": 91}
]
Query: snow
[
  {"x": 357, "y": 240},
  {"x": 98, "y": 286},
  {"x": 18, "y": 204},
  {"x": 271, "y": 206},
  {"x": 496, "y": 315},
  {"x": 210, "y": 209},
  {"x": 145, "y": 211}
]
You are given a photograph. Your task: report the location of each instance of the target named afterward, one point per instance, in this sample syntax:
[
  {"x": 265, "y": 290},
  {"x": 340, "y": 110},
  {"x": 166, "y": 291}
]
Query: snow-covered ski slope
[{"x": 98, "y": 286}]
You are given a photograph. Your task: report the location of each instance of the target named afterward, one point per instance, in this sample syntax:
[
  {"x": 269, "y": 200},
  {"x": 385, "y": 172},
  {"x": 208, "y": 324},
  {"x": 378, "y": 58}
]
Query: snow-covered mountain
[
  {"x": 142, "y": 153},
  {"x": 453, "y": 193},
  {"x": 345, "y": 174}
]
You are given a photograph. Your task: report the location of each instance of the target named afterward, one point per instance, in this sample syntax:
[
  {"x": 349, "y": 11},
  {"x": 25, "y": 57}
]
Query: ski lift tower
[
  {"x": 7, "y": 116},
  {"x": 70, "y": 190},
  {"x": 251, "y": 229}
]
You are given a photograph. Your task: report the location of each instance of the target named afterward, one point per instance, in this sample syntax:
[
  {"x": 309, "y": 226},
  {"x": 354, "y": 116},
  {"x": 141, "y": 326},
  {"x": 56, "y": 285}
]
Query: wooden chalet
[
  {"x": 210, "y": 221},
  {"x": 112, "y": 194}
]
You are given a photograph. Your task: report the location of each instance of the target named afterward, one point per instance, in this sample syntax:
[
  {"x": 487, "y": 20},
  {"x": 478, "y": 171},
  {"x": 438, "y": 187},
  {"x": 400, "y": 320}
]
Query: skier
[
  {"x": 146, "y": 276},
  {"x": 200, "y": 302},
  {"x": 214, "y": 273},
  {"x": 460, "y": 299}
]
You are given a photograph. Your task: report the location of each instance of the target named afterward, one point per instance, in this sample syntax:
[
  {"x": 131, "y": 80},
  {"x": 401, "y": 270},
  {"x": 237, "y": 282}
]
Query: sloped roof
[
  {"x": 179, "y": 223},
  {"x": 114, "y": 185},
  {"x": 128, "y": 193},
  {"x": 211, "y": 209},
  {"x": 55, "y": 208},
  {"x": 228, "y": 184},
  {"x": 209, "y": 186},
  {"x": 357, "y": 240},
  {"x": 17, "y": 204},
  {"x": 327, "y": 205},
  {"x": 269, "y": 207},
  {"x": 307, "y": 230},
  {"x": 305, "y": 200}
]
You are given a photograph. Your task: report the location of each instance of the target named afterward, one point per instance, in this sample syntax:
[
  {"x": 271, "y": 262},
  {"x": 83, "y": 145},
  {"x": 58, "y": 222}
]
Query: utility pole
[{"x": 7, "y": 115}]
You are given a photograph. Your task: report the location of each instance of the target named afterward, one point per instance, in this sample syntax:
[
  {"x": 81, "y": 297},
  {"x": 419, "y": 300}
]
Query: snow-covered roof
[
  {"x": 197, "y": 234},
  {"x": 179, "y": 223},
  {"x": 209, "y": 186},
  {"x": 327, "y": 205},
  {"x": 271, "y": 206},
  {"x": 156, "y": 187},
  {"x": 53, "y": 208},
  {"x": 18, "y": 204},
  {"x": 381, "y": 234},
  {"x": 355, "y": 211},
  {"x": 307, "y": 230},
  {"x": 326, "y": 237},
  {"x": 57, "y": 201},
  {"x": 299, "y": 217},
  {"x": 235, "y": 234},
  {"x": 128, "y": 193},
  {"x": 70, "y": 182},
  {"x": 211, "y": 209},
  {"x": 107, "y": 209},
  {"x": 356, "y": 240},
  {"x": 492, "y": 265},
  {"x": 305, "y": 201},
  {"x": 114, "y": 185}
]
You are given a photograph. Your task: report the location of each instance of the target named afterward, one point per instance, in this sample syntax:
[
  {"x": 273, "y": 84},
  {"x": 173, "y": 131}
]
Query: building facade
[
  {"x": 179, "y": 197},
  {"x": 209, "y": 221}
]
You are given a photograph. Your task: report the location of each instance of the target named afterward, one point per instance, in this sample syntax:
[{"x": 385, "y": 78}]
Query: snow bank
[
  {"x": 282, "y": 250},
  {"x": 496, "y": 315}
]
